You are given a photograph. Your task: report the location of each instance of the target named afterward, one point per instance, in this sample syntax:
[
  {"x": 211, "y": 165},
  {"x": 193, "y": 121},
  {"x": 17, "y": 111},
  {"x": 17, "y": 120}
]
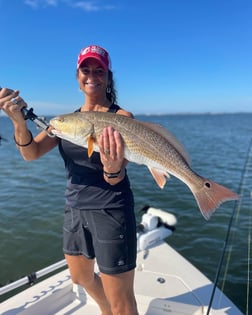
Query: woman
[{"x": 99, "y": 217}]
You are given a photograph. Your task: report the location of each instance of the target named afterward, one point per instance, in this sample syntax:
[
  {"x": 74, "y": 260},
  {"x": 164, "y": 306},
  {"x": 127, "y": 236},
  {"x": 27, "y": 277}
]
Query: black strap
[{"x": 114, "y": 108}]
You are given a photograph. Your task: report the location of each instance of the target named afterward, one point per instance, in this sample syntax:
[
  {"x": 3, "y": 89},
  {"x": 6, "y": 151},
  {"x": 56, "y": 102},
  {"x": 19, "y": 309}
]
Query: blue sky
[{"x": 168, "y": 56}]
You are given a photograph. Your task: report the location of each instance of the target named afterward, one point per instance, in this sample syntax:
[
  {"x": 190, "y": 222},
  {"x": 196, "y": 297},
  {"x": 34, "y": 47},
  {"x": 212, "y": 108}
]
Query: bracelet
[
  {"x": 112, "y": 175},
  {"x": 24, "y": 145}
]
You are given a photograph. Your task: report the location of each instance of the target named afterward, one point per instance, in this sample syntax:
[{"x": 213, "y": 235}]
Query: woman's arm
[{"x": 11, "y": 103}]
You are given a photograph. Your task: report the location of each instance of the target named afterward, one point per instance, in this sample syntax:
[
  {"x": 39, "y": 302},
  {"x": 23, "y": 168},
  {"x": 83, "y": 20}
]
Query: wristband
[
  {"x": 24, "y": 145},
  {"x": 112, "y": 175}
]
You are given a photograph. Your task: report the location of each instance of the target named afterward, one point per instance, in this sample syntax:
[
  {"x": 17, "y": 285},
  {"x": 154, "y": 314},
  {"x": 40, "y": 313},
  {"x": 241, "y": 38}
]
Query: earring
[{"x": 108, "y": 89}]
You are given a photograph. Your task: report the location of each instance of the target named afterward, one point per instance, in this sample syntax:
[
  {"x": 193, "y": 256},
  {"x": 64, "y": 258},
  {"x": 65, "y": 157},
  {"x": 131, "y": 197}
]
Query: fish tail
[{"x": 211, "y": 196}]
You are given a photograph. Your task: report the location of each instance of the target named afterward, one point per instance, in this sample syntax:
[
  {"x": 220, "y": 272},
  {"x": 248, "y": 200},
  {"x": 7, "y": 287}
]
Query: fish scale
[
  {"x": 140, "y": 141},
  {"x": 148, "y": 144}
]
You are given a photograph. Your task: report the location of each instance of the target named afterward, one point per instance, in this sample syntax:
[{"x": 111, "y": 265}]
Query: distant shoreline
[{"x": 2, "y": 115}]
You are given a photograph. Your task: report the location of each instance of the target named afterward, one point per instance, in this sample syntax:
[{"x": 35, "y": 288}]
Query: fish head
[{"x": 73, "y": 128}]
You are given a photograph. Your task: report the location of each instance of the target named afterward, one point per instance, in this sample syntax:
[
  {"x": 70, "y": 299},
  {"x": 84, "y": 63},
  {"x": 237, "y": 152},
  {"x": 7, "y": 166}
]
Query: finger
[
  {"x": 119, "y": 145},
  {"x": 112, "y": 142},
  {"x": 5, "y": 92},
  {"x": 106, "y": 141},
  {"x": 7, "y": 95},
  {"x": 103, "y": 146},
  {"x": 15, "y": 100},
  {"x": 14, "y": 110},
  {"x": 18, "y": 101},
  {"x": 101, "y": 143}
]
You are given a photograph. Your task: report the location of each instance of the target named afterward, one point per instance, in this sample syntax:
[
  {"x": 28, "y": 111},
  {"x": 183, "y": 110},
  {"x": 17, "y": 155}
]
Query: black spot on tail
[{"x": 208, "y": 185}]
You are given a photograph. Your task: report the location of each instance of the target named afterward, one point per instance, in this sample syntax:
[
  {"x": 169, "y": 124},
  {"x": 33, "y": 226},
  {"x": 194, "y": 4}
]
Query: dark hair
[{"x": 111, "y": 92}]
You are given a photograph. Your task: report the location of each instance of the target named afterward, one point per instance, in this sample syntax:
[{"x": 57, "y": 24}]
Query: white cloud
[
  {"x": 35, "y": 4},
  {"x": 32, "y": 3},
  {"x": 88, "y": 6},
  {"x": 52, "y": 2},
  {"x": 91, "y": 5}
]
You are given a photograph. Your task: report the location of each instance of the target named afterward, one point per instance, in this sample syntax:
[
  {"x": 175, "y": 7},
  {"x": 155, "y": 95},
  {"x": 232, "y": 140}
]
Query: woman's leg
[
  {"x": 82, "y": 273},
  {"x": 119, "y": 290}
]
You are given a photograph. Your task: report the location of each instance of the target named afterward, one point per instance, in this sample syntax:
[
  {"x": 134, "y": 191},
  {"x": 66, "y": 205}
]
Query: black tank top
[{"x": 86, "y": 188}]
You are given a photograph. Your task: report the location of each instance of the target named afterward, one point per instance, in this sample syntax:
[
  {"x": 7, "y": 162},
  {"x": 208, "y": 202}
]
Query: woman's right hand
[
  {"x": 11, "y": 103},
  {"x": 31, "y": 149}
]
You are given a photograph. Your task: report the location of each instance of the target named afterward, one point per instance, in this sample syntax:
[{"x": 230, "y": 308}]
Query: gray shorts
[{"x": 107, "y": 235}]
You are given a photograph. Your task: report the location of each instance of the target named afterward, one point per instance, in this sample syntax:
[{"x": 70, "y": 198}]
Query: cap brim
[{"x": 104, "y": 66}]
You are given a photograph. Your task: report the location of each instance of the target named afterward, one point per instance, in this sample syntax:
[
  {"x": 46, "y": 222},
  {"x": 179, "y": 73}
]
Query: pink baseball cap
[{"x": 97, "y": 53}]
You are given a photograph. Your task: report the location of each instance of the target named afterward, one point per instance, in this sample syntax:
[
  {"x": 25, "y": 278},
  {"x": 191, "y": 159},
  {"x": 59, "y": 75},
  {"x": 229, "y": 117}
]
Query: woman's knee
[
  {"x": 120, "y": 292},
  {"x": 81, "y": 270},
  {"x": 81, "y": 279},
  {"x": 124, "y": 306}
]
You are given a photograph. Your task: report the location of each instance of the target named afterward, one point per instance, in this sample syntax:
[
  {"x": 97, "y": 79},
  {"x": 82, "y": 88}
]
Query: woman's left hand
[{"x": 111, "y": 150}]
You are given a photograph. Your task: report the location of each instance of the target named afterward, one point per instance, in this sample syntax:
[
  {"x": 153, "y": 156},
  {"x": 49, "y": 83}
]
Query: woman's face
[{"x": 92, "y": 78}]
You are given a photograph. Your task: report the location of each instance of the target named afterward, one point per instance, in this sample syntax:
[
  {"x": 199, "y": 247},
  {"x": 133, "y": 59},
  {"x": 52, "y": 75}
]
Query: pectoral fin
[
  {"x": 159, "y": 176},
  {"x": 90, "y": 146}
]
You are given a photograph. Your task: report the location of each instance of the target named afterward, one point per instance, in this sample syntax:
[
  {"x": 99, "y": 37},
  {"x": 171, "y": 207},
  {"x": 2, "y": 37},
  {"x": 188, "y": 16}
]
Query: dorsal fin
[{"x": 162, "y": 131}]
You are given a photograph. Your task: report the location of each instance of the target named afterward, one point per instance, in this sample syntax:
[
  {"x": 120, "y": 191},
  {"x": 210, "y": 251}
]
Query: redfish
[{"x": 148, "y": 144}]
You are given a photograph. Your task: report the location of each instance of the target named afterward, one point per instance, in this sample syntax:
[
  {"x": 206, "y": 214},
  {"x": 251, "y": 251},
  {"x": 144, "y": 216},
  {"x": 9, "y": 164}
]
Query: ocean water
[{"x": 32, "y": 201}]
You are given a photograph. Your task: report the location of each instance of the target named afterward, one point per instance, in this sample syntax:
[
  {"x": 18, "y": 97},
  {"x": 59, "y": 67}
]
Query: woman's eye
[
  {"x": 84, "y": 70},
  {"x": 100, "y": 72}
]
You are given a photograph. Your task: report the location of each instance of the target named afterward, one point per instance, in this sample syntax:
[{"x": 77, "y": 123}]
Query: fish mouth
[
  {"x": 56, "y": 132},
  {"x": 53, "y": 122}
]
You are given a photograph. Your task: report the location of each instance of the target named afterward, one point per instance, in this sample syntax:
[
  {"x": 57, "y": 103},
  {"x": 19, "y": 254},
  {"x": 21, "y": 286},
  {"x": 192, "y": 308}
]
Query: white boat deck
[{"x": 165, "y": 283}]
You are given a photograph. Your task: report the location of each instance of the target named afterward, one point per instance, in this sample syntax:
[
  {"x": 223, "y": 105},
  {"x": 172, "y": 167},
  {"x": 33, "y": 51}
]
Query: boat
[{"x": 165, "y": 282}]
